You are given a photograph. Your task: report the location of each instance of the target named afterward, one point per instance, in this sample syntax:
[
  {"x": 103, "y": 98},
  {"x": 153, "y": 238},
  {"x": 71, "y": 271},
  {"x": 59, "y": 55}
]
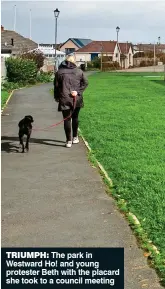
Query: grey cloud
[{"x": 138, "y": 20}]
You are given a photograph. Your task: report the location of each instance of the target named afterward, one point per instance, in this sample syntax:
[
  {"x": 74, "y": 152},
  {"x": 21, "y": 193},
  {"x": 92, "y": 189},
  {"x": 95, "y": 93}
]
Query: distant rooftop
[
  {"x": 98, "y": 46},
  {"x": 14, "y": 41},
  {"x": 80, "y": 42},
  {"x": 49, "y": 50}
]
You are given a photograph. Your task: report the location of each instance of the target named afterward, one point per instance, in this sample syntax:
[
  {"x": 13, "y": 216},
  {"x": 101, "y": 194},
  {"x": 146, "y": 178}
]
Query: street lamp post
[
  {"x": 117, "y": 30},
  {"x": 56, "y": 14},
  {"x": 155, "y": 50},
  {"x": 154, "y": 55},
  {"x": 101, "y": 56}
]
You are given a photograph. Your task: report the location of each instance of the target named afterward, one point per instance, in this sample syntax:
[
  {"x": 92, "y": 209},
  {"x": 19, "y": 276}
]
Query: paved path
[
  {"x": 53, "y": 197},
  {"x": 157, "y": 68}
]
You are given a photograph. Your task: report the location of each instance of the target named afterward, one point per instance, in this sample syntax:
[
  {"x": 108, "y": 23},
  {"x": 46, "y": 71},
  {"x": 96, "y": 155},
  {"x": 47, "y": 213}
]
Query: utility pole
[
  {"x": 15, "y": 15},
  {"x": 117, "y": 30},
  {"x": 154, "y": 55},
  {"x": 126, "y": 54},
  {"x": 30, "y": 25},
  {"x": 101, "y": 56}
]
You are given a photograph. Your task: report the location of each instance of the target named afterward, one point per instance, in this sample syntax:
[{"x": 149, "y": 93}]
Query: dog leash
[{"x": 58, "y": 123}]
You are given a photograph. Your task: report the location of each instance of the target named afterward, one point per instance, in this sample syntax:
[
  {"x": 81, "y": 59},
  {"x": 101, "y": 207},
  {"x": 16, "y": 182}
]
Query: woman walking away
[{"x": 69, "y": 84}]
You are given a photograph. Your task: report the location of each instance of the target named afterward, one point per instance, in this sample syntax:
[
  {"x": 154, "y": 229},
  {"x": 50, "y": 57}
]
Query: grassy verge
[
  {"x": 4, "y": 97},
  {"x": 123, "y": 121}
]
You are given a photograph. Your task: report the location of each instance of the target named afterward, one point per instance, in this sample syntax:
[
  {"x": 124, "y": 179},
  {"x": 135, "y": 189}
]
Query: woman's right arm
[{"x": 56, "y": 94}]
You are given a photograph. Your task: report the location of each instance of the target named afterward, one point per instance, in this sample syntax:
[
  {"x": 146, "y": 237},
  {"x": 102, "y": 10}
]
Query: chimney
[
  {"x": 12, "y": 41},
  {"x": 2, "y": 28}
]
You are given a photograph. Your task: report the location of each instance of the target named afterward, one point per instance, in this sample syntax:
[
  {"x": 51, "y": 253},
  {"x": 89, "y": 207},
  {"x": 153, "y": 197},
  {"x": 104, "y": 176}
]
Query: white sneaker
[
  {"x": 75, "y": 140},
  {"x": 68, "y": 144}
]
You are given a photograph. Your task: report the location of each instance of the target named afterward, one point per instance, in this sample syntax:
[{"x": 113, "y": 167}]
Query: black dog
[{"x": 25, "y": 128}]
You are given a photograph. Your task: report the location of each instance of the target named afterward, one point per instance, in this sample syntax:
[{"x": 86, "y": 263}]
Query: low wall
[{"x": 3, "y": 68}]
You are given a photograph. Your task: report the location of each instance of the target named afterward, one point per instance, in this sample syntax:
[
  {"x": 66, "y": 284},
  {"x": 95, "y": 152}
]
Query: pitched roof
[
  {"x": 19, "y": 42},
  {"x": 48, "y": 50},
  {"x": 79, "y": 42},
  {"x": 124, "y": 47},
  {"x": 98, "y": 46},
  {"x": 50, "y": 45}
]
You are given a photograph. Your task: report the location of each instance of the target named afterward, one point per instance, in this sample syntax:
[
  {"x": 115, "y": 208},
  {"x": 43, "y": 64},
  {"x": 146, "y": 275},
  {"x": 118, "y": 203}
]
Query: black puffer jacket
[{"x": 68, "y": 78}]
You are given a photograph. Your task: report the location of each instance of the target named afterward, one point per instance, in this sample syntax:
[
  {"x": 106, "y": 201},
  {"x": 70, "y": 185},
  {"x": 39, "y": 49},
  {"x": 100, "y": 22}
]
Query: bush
[
  {"x": 142, "y": 63},
  {"x": 162, "y": 58},
  {"x": 89, "y": 64},
  {"x": 96, "y": 62},
  {"x": 148, "y": 62},
  {"x": 149, "y": 54},
  {"x": 113, "y": 65},
  {"x": 107, "y": 63},
  {"x": 44, "y": 76},
  {"x": 138, "y": 55},
  {"x": 37, "y": 56},
  {"x": 9, "y": 86},
  {"x": 21, "y": 70}
]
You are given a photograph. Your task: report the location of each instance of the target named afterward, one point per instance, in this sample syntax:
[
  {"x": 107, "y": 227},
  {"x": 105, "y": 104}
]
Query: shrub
[
  {"x": 89, "y": 64},
  {"x": 162, "y": 58},
  {"x": 96, "y": 62},
  {"x": 138, "y": 54},
  {"x": 149, "y": 54},
  {"x": 113, "y": 65},
  {"x": 142, "y": 63},
  {"x": 21, "y": 70},
  {"x": 9, "y": 86},
  {"x": 44, "y": 76},
  {"x": 37, "y": 56},
  {"x": 150, "y": 62}
]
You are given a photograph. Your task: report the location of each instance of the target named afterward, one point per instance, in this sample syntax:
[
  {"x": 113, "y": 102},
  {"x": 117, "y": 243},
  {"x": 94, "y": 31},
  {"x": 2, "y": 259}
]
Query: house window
[
  {"x": 116, "y": 54},
  {"x": 129, "y": 58},
  {"x": 69, "y": 50}
]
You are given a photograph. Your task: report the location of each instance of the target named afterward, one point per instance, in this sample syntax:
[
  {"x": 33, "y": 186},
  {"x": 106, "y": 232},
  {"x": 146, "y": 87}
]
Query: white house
[
  {"x": 49, "y": 53},
  {"x": 73, "y": 44},
  {"x": 120, "y": 52},
  {"x": 95, "y": 48},
  {"x": 126, "y": 55}
]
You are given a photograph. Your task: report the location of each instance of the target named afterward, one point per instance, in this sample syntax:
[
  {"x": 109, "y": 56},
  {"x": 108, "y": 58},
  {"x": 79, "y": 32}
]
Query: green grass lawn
[
  {"x": 124, "y": 122},
  {"x": 4, "y": 97}
]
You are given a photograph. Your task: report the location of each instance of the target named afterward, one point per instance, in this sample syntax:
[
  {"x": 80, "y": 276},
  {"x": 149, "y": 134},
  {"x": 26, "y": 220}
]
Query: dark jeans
[{"x": 67, "y": 123}]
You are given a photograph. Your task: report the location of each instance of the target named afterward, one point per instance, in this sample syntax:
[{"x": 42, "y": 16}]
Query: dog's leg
[
  {"x": 21, "y": 142},
  {"x": 27, "y": 142}
]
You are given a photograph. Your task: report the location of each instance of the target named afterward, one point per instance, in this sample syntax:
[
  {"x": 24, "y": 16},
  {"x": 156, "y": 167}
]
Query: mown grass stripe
[{"x": 124, "y": 124}]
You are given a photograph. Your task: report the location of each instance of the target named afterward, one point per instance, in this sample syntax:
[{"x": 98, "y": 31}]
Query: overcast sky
[{"x": 139, "y": 21}]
